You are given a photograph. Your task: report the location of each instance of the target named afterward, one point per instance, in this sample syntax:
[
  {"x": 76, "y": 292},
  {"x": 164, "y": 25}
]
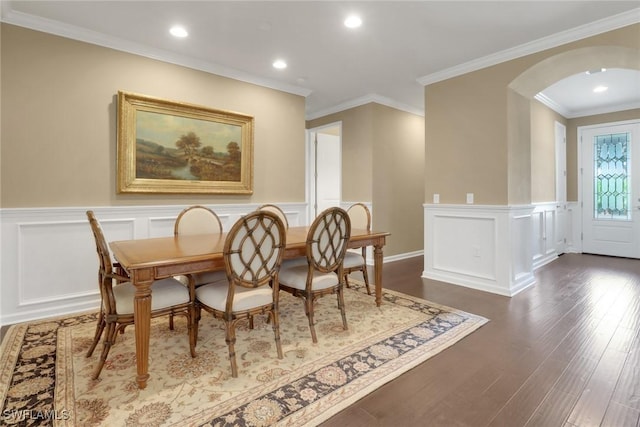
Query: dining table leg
[
  {"x": 377, "y": 266},
  {"x": 142, "y": 280}
]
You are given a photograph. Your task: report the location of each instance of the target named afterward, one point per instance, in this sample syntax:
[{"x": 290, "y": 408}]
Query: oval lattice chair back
[{"x": 322, "y": 275}]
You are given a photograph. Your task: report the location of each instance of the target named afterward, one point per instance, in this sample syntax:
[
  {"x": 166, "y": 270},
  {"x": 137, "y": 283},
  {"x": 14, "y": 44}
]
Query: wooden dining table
[{"x": 147, "y": 260}]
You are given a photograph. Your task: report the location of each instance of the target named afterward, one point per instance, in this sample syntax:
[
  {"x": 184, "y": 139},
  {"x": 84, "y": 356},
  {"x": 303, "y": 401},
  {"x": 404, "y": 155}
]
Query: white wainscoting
[
  {"x": 573, "y": 232},
  {"x": 48, "y": 261},
  {"x": 548, "y": 229},
  {"x": 497, "y": 248},
  {"x": 481, "y": 247}
]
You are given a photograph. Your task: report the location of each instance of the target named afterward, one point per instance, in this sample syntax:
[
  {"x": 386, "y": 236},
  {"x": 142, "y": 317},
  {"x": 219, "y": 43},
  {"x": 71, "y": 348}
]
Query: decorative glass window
[{"x": 612, "y": 176}]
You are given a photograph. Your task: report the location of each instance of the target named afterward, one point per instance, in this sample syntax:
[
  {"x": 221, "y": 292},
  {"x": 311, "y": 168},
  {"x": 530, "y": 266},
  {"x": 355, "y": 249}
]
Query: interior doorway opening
[{"x": 324, "y": 168}]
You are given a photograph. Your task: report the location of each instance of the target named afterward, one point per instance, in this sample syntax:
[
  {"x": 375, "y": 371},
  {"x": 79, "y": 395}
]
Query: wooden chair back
[
  {"x": 197, "y": 220},
  {"x": 327, "y": 240},
  {"x": 360, "y": 216},
  {"x": 253, "y": 251},
  {"x": 276, "y": 210}
]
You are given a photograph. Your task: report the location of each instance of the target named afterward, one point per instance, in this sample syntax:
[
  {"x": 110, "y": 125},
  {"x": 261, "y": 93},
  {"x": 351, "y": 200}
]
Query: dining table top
[{"x": 158, "y": 251}]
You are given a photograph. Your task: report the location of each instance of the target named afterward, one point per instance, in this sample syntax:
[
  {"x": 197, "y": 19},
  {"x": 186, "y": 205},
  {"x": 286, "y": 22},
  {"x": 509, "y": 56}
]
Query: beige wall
[
  {"x": 58, "y": 129},
  {"x": 357, "y": 150},
  {"x": 398, "y": 177},
  {"x": 572, "y": 142},
  {"x": 383, "y": 163},
  {"x": 478, "y": 125},
  {"x": 543, "y": 152}
]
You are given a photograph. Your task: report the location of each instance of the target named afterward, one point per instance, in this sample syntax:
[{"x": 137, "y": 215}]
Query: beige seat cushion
[
  {"x": 352, "y": 259},
  {"x": 215, "y": 296},
  {"x": 302, "y": 260},
  {"x": 296, "y": 277},
  {"x": 164, "y": 293}
]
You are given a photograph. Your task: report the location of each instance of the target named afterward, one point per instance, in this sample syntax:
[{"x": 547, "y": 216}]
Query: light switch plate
[
  {"x": 469, "y": 197},
  {"x": 436, "y": 198}
]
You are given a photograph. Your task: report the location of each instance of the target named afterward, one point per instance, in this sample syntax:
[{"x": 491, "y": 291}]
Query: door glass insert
[{"x": 612, "y": 177}]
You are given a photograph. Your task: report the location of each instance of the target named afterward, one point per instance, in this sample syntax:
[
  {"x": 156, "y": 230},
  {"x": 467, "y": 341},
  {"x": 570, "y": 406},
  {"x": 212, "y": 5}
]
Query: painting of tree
[
  {"x": 179, "y": 148},
  {"x": 173, "y": 147}
]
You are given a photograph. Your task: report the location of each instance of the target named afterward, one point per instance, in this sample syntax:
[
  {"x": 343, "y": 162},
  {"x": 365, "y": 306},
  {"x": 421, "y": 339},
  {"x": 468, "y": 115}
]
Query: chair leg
[
  {"x": 365, "y": 274},
  {"x": 96, "y": 338},
  {"x": 109, "y": 339},
  {"x": 231, "y": 340},
  {"x": 171, "y": 321},
  {"x": 346, "y": 279},
  {"x": 308, "y": 302},
  {"x": 196, "y": 321},
  {"x": 341, "y": 307},
  {"x": 276, "y": 331},
  {"x": 193, "y": 328}
]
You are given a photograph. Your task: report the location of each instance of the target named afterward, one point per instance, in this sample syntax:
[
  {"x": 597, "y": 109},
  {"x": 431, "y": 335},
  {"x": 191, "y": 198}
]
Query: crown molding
[
  {"x": 57, "y": 28},
  {"x": 542, "y": 98},
  {"x": 363, "y": 100},
  {"x": 572, "y": 114},
  {"x": 603, "y": 110},
  {"x": 594, "y": 28}
]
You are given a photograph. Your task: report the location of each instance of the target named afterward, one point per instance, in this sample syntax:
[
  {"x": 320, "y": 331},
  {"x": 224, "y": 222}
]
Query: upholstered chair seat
[
  {"x": 165, "y": 293},
  {"x": 215, "y": 296},
  {"x": 296, "y": 277}
]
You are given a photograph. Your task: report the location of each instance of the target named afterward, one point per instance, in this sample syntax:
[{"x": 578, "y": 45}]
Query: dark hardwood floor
[{"x": 565, "y": 352}]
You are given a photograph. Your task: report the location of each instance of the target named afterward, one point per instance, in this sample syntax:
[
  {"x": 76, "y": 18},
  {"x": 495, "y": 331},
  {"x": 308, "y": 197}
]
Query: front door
[{"x": 611, "y": 189}]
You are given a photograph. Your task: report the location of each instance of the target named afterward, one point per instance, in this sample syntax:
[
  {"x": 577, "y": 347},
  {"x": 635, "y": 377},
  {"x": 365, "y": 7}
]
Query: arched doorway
[{"x": 520, "y": 94}]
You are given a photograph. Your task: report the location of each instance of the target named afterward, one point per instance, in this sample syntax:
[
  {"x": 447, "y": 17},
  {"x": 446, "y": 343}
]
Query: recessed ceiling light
[
  {"x": 178, "y": 31},
  {"x": 596, "y": 71},
  {"x": 353, "y": 21},
  {"x": 279, "y": 64},
  {"x": 600, "y": 88}
]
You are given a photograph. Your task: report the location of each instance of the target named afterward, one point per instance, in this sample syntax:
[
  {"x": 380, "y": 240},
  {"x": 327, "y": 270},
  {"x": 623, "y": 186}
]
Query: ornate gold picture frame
[{"x": 174, "y": 147}]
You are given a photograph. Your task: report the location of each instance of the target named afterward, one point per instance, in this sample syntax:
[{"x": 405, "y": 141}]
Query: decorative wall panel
[{"x": 48, "y": 258}]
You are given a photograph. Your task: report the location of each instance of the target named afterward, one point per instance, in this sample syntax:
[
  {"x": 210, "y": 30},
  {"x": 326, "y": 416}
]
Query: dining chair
[
  {"x": 322, "y": 275},
  {"x": 356, "y": 259},
  {"x": 252, "y": 254},
  {"x": 198, "y": 219},
  {"x": 276, "y": 210},
  {"x": 169, "y": 297}
]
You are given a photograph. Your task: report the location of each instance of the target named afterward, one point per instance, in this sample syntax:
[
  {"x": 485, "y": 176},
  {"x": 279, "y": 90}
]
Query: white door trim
[{"x": 561, "y": 186}]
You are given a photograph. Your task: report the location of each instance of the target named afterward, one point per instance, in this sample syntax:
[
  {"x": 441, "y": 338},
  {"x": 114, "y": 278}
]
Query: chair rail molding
[
  {"x": 484, "y": 247},
  {"x": 48, "y": 258}
]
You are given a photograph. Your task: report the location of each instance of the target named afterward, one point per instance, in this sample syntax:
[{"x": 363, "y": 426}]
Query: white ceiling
[{"x": 400, "y": 47}]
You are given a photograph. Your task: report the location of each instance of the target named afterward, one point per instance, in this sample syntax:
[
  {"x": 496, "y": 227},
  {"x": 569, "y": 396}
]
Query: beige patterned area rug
[{"x": 45, "y": 376}]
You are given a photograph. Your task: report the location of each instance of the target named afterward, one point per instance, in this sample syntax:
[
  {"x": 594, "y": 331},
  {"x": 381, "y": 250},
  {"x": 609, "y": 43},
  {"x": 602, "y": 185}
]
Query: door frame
[
  {"x": 579, "y": 134},
  {"x": 560, "y": 131},
  {"x": 310, "y": 165}
]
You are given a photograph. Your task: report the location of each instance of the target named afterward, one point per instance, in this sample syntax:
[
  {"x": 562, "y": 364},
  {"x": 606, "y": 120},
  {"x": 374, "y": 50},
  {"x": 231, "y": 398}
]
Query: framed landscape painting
[{"x": 174, "y": 147}]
